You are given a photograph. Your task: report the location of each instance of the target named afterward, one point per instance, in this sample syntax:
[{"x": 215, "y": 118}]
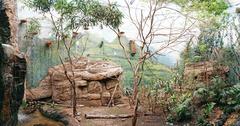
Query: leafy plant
[
  {"x": 215, "y": 90},
  {"x": 33, "y": 26},
  {"x": 80, "y": 13},
  {"x": 24, "y": 104},
  {"x": 231, "y": 95},
  {"x": 200, "y": 96},
  {"x": 182, "y": 109},
  {"x": 214, "y": 7},
  {"x": 208, "y": 109},
  {"x": 201, "y": 121}
]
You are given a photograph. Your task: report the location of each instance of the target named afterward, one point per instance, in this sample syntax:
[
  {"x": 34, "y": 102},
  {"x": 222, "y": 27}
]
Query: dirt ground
[{"x": 116, "y": 110}]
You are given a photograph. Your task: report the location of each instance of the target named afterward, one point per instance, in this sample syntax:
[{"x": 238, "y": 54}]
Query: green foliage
[
  {"x": 33, "y": 26},
  {"x": 208, "y": 109},
  {"x": 201, "y": 121},
  {"x": 214, "y": 7},
  {"x": 231, "y": 95},
  {"x": 221, "y": 93},
  {"x": 181, "y": 110},
  {"x": 215, "y": 90},
  {"x": 209, "y": 40},
  {"x": 24, "y": 104},
  {"x": 230, "y": 57},
  {"x": 201, "y": 94},
  {"x": 43, "y": 5},
  {"x": 77, "y": 13}
]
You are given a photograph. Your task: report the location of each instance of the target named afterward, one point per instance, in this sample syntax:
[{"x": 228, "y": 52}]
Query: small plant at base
[
  {"x": 182, "y": 110},
  {"x": 24, "y": 104},
  {"x": 208, "y": 109},
  {"x": 201, "y": 121}
]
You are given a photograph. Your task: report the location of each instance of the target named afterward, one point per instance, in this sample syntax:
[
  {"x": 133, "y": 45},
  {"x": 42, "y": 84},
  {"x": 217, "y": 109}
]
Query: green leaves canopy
[
  {"x": 80, "y": 12},
  {"x": 215, "y": 7}
]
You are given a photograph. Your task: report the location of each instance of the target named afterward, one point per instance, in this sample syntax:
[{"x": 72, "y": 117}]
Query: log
[{"x": 98, "y": 116}]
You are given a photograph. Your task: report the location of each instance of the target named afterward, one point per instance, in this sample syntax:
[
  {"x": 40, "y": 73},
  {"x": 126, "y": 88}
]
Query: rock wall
[
  {"x": 96, "y": 82},
  {"x": 12, "y": 66}
]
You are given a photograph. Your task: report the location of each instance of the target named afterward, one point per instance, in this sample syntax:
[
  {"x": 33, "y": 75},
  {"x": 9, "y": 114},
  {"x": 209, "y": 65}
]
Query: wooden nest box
[
  {"x": 133, "y": 48},
  {"x": 22, "y": 21},
  {"x": 48, "y": 44},
  {"x": 121, "y": 33}
]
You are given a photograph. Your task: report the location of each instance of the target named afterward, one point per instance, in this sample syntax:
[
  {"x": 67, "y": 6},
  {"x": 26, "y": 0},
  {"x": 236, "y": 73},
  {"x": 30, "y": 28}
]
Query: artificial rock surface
[
  {"x": 12, "y": 65},
  {"x": 95, "y": 83}
]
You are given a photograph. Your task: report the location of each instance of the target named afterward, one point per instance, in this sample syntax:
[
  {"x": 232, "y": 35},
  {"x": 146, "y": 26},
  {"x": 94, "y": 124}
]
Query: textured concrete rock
[
  {"x": 95, "y": 82},
  {"x": 106, "y": 95},
  {"x": 81, "y": 83},
  {"x": 12, "y": 66},
  {"x": 94, "y": 87},
  {"x": 111, "y": 84}
]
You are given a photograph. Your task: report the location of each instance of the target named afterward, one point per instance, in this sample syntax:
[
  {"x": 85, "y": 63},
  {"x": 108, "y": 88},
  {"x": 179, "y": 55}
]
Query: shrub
[{"x": 182, "y": 109}]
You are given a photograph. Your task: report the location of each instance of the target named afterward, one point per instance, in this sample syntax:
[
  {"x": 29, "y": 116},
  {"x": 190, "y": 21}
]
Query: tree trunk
[
  {"x": 134, "y": 120},
  {"x": 12, "y": 66}
]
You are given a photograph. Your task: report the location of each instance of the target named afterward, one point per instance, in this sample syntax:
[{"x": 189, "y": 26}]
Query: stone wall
[{"x": 96, "y": 82}]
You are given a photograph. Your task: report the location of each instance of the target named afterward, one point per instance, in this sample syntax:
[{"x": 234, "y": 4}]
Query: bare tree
[{"x": 153, "y": 36}]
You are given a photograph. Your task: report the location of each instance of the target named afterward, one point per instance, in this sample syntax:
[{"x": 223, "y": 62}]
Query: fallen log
[{"x": 97, "y": 116}]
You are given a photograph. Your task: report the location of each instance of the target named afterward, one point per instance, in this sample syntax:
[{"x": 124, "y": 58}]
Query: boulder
[{"x": 95, "y": 82}]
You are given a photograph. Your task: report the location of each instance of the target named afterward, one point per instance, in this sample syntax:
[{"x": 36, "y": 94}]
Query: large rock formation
[
  {"x": 12, "y": 66},
  {"x": 96, "y": 83}
]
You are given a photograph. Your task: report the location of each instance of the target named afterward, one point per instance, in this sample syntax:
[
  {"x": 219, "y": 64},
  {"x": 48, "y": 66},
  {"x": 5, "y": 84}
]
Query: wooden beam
[{"x": 101, "y": 116}]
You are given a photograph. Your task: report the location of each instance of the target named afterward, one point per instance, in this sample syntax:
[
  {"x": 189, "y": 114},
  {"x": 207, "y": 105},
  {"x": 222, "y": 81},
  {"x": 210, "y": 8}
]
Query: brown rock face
[
  {"x": 12, "y": 66},
  {"x": 95, "y": 87},
  {"x": 111, "y": 84},
  {"x": 81, "y": 83},
  {"x": 95, "y": 82}
]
